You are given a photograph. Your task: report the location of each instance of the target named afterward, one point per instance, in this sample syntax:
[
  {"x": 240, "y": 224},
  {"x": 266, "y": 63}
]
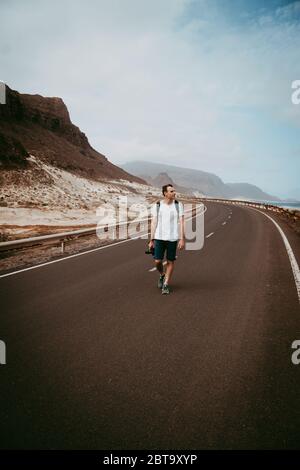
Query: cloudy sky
[{"x": 203, "y": 84}]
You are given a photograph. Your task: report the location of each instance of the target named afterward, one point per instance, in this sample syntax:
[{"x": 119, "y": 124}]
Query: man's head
[{"x": 168, "y": 191}]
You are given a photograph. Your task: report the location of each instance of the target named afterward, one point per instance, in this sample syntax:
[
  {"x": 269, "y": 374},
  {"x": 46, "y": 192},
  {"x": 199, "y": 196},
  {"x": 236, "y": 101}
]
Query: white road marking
[
  {"x": 68, "y": 257},
  {"x": 293, "y": 261},
  {"x": 79, "y": 254},
  {"x": 154, "y": 269},
  {"x": 209, "y": 235}
]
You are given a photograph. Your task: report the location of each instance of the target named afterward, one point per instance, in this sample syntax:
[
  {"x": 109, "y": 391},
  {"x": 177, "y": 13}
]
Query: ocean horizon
[{"x": 284, "y": 205}]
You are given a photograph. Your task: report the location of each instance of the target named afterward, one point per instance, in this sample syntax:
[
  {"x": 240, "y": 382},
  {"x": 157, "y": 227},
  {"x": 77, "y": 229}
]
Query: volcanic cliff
[{"x": 33, "y": 124}]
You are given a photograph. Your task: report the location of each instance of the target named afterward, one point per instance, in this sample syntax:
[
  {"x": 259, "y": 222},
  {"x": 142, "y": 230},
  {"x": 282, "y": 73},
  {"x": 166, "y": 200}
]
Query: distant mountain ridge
[
  {"x": 240, "y": 190},
  {"x": 197, "y": 181},
  {"x": 161, "y": 179}
]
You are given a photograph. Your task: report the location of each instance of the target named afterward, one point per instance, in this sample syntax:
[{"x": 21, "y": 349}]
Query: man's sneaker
[
  {"x": 161, "y": 281},
  {"x": 165, "y": 289}
]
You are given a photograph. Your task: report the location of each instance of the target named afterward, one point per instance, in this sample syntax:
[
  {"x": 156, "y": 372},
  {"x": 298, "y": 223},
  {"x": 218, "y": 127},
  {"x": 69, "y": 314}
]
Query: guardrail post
[{"x": 62, "y": 246}]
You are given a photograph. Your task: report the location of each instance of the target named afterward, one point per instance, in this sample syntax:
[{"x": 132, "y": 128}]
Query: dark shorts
[{"x": 160, "y": 246}]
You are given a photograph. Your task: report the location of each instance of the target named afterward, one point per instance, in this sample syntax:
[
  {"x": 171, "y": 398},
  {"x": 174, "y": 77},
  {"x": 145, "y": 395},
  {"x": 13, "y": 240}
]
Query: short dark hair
[{"x": 165, "y": 188}]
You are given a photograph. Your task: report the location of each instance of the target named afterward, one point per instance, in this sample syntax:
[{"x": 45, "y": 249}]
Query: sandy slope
[{"x": 44, "y": 195}]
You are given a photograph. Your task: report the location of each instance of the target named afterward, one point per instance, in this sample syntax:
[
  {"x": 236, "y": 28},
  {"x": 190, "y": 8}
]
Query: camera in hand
[{"x": 149, "y": 251}]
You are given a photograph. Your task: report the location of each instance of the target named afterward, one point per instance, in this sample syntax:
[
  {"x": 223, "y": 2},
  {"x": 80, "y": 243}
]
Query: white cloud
[{"x": 144, "y": 85}]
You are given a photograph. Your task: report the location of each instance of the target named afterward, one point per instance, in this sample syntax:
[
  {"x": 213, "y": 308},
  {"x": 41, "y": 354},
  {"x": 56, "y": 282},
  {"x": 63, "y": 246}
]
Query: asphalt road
[{"x": 97, "y": 358}]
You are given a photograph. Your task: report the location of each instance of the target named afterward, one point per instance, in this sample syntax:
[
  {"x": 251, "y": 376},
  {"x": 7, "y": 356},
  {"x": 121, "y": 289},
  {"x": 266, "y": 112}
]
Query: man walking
[{"x": 164, "y": 234}]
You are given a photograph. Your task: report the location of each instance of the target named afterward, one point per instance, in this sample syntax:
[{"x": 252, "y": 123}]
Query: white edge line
[
  {"x": 293, "y": 261},
  {"x": 67, "y": 257},
  {"x": 77, "y": 254}
]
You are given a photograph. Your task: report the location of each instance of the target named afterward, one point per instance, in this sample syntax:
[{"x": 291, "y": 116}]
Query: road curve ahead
[{"x": 97, "y": 358}]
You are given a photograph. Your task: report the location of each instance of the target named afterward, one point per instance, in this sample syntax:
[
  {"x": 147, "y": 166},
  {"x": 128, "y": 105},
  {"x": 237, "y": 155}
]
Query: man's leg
[
  {"x": 169, "y": 271},
  {"x": 171, "y": 256},
  {"x": 159, "y": 266},
  {"x": 159, "y": 249},
  {"x": 158, "y": 255}
]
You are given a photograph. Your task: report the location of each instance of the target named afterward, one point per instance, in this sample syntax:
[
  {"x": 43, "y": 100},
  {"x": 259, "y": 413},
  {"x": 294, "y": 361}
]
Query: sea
[{"x": 284, "y": 205}]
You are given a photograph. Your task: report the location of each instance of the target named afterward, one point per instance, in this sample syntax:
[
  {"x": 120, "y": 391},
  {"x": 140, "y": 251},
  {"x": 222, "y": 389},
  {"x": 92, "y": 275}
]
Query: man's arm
[
  {"x": 153, "y": 227},
  {"x": 181, "y": 223},
  {"x": 181, "y": 243}
]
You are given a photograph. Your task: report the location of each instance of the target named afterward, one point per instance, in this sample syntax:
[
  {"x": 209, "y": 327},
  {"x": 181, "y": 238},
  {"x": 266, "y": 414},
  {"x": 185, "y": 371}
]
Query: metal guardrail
[
  {"x": 62, "y": 237},
  {"x": 259, "y": 205}
]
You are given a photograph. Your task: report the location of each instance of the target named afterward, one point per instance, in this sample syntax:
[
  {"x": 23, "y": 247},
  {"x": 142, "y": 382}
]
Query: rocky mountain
[
  {"x": 33, "y": 124},
  {"x": 163, "y": 178},
  {"x": 242, "y": 190},
  {"x": 197, "y": 181}
]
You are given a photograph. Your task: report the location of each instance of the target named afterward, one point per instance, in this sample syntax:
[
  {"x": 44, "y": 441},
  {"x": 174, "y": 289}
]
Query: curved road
[{"x": 97, "y": 358}]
